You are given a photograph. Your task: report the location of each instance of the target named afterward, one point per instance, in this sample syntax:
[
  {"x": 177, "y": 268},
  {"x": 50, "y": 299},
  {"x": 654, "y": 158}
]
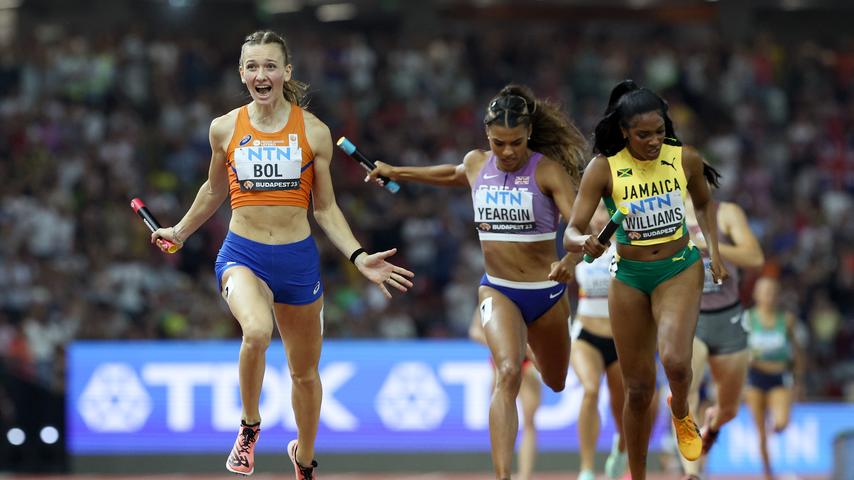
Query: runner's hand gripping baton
[
  {"x": 366, "y": 162},
  {"x": 612, "y": 226},
  {"x": 151, "y": 222}
]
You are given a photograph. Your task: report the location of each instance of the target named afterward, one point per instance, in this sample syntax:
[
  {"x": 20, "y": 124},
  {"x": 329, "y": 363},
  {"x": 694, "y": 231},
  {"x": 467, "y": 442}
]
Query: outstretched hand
[
  {"x": 381, "y": 170},
  {"x": 376, "y": 269}
]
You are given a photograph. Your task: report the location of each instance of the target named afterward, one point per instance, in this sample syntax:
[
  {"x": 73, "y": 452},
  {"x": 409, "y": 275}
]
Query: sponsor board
[{"x": 129, "y": 398}]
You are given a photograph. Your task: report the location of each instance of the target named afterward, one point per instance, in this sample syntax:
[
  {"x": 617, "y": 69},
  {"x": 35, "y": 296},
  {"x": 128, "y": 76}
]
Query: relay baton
[
  {"x": 613, "y": 224},
  {"x": 149, "y": 220},
  {"x": 366, "y": 162}
]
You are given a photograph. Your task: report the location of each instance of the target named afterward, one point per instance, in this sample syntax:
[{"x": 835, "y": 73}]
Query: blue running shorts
[{"x": 291, "y": 270}]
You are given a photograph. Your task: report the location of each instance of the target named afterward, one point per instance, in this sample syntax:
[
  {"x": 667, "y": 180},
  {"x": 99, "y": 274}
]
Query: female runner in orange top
[{"x": 270, "y": 156}]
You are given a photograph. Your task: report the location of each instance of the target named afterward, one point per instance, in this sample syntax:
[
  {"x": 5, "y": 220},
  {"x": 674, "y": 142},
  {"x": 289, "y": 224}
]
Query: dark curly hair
[{"x": 552, "y": 133}]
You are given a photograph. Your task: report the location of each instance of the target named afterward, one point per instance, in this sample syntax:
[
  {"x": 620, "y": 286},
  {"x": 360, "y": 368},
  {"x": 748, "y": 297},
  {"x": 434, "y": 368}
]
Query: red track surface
[{"x": 361, "y": 476}]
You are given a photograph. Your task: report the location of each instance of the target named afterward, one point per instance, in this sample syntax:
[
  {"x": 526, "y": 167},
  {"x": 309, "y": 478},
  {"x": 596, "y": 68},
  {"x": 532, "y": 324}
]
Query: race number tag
[
  {"x": 504, "y": 211},
  {"x": 654, "y": 217},
  {"x": 269, "y": 167}
]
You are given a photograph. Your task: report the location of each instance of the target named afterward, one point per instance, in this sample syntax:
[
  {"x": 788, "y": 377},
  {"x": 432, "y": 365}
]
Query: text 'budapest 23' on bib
[
  {"x": 504, "y": 211},
  {"x": 269, "y": 167}
]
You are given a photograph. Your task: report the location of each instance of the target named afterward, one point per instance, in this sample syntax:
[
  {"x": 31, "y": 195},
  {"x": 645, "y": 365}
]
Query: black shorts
[
  {"x": 768, "y": 381},
  {"x": 604, "y": 345}
]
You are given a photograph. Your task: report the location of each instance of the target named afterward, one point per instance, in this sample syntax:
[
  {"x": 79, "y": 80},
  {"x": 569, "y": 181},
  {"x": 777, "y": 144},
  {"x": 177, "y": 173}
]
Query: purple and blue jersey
[{"x": 510, "y": 207}]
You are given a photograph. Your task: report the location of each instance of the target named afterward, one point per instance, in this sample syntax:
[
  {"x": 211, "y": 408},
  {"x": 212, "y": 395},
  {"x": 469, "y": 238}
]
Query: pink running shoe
[
  {"x": 303, "y": 473},
  {"x": 242, "y": 458}
]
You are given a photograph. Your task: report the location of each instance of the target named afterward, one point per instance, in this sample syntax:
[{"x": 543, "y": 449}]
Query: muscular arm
[
  {"x": 326, "y": 211},
  {"x": 330, "y": 218},
  {"x": 441, "y": 175},
  {"x": 215, "y": 189},
  {"x": 556, "y": 183},
  {"x": 446, "y": 175},
  {"x": 745, "y": 251},
  {"x": 594, "y": 183},
  {"x": 701, "y": 196}
]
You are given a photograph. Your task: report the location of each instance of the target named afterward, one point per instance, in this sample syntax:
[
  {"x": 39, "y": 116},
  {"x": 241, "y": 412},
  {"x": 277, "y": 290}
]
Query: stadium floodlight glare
[
  {"x": 16, "y": 436},
  {"x": 49, "y": 434}
]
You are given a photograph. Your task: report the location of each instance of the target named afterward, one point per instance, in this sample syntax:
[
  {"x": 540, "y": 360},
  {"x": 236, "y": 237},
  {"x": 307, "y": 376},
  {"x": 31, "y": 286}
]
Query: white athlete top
[{"x": 593, "y": 279}]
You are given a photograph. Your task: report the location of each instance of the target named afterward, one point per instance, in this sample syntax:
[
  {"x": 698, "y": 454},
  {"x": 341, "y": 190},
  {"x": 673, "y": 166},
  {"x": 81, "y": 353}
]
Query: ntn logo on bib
[
  {"x": 654, "y": 217},
  {"x": 268, "y": 167},
  {"x": 504, "y": 210}
]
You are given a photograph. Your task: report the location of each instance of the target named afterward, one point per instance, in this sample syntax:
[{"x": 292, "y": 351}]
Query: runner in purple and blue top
[{"x": 519, "y": 188}]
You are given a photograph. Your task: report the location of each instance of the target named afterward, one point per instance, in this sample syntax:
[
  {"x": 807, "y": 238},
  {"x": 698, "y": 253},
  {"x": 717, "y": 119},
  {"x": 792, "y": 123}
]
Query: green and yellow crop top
[{"x": 653, "y": 192}]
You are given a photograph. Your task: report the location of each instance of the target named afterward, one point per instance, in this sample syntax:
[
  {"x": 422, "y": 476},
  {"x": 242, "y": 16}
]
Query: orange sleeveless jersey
[{"x": 270, "y": 168}]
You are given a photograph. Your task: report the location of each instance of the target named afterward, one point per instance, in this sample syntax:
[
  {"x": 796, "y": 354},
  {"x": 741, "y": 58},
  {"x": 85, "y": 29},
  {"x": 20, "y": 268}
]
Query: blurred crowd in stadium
[{"x": 89, "y": 121}]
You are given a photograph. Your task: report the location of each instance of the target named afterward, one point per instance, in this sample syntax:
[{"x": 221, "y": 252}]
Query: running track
[{"x": 365, "y": 476}]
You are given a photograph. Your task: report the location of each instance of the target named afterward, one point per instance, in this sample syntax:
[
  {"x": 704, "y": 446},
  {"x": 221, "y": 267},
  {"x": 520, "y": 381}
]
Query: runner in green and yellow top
[{"x": 654, "y": 295}]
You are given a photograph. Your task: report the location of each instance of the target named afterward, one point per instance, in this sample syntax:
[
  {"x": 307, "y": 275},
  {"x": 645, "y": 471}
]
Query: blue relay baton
[
  {"x": 366, "y": 162},
  {"x": 613, "y": 224}
]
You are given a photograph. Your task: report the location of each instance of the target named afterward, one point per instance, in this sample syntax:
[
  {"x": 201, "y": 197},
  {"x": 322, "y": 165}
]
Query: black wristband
[{"x": 355, "y": 254}]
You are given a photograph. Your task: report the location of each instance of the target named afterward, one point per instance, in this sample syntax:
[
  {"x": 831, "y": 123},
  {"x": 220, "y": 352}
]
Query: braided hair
[
  {"x": 626, "y": 101},
  {"x": 552, "y": 133}
]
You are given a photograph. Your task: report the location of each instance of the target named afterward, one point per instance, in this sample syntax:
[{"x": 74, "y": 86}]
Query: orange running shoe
[{"x": 688, "y": 436}]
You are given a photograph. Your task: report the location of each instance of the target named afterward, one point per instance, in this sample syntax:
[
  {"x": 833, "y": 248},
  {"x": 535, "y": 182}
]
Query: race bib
[
  {"x": 504, "y": 211},
  {"x": 654, "y": 217},
  {"x": 594, "y": 278},
  {"x": 269, "y": 167},
  {"x": 767, "y": 341}
]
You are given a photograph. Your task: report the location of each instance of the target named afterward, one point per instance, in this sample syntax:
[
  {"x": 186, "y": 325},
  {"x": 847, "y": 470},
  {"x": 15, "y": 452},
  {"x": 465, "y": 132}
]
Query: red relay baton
[{"x": 152, "y": 224}]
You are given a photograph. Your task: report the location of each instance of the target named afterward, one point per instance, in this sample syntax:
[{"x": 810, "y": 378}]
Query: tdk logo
[
  {"x": 117, "y": 399},
  {"x": 114, "y": 400},
  {"x": 121, "y": 398},
  {"x": 412, "y": 398}
]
